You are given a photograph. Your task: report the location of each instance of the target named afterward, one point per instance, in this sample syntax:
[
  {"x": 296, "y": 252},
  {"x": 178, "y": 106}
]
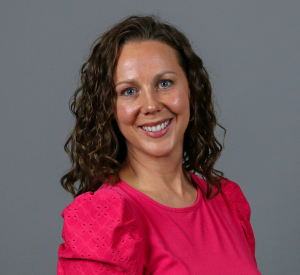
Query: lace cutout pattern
[{"x": 101, "y": 236}]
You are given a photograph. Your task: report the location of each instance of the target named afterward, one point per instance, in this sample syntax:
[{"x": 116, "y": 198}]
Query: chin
[{"x": 159, "y": 152}]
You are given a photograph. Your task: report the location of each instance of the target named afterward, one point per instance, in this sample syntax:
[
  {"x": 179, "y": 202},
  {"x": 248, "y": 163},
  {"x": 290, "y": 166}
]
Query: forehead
[{"x": 145, "y": 56}]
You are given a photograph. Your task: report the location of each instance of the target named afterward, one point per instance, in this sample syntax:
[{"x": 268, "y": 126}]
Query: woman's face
[{"x": 152, "y": 108}]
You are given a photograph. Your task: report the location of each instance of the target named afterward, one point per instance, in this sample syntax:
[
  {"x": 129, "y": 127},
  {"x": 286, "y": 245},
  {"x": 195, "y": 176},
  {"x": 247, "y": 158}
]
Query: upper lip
[{"x": 155, "y": 123}]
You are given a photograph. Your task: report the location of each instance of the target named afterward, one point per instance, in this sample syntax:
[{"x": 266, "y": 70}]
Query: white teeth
[{"x": 156, "y": 128}]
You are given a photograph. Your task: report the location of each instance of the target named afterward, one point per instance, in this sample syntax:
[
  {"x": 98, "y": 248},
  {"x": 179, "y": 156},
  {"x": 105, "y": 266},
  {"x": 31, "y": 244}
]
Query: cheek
[
  {"x": 180, "y": 103},
  {"x": 126, "y": 113}
]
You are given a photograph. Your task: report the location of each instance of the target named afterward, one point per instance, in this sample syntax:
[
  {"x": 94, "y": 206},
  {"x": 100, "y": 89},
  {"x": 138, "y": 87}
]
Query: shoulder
[
  {"x": 107, "y": 198},
  {"x": 103, "y": 200},
  {"x": 101, "y": 210},
  {"x": 236, "y": 197},
  {"x": 230, "y": 190},
  {"x": 233, "y": 194},
  {"x": 100, "y": 226},
  {"x": 237, "y": 200}
]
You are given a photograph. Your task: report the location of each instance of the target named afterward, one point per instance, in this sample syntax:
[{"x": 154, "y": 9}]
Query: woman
[{"x": 144, "y": 125}]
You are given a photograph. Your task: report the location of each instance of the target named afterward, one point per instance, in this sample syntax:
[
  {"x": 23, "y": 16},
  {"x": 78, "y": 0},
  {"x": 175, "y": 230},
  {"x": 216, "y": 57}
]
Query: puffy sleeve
[
  {"x": 101, "y": 236},
  {"x": 240, "y": 205}
]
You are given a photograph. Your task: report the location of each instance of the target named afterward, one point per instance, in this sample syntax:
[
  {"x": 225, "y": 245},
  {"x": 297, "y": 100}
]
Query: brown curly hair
[{"x": 96, "y": 146}]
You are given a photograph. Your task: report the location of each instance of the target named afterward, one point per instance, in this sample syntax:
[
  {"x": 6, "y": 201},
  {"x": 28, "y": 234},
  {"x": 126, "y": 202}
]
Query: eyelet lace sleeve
[
  {"x": 101, "y": 236},
  {"x": 240, "y": 205}
]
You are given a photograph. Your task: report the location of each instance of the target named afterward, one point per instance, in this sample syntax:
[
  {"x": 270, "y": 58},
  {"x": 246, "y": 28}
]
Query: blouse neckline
[{"x": 124, "y": 185}]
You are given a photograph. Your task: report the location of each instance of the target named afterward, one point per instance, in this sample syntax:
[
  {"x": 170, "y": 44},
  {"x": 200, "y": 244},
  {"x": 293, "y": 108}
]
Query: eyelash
[{"x": 164, "y": 80}]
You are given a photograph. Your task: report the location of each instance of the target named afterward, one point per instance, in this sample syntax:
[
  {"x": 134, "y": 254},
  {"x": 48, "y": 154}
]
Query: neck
[{"x": 158, "y": 175}]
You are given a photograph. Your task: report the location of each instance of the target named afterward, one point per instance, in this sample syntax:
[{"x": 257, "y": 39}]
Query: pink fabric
[{"x": 118, "y": 230}]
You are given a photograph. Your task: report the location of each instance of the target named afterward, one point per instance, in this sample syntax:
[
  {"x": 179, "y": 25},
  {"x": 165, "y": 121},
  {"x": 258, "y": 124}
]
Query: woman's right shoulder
[
  {"x": 101, "y": 229},
  {"x": 104, "y": 202}
]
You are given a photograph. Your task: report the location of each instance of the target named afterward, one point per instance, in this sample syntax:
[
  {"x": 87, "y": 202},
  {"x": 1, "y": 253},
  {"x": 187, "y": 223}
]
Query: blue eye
[
  {"x": 164, "y": 84},
  {"x": 129, "y": 92}
]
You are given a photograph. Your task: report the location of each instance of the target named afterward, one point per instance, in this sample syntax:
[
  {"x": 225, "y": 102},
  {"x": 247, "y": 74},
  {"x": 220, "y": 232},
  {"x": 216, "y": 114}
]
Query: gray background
[{"x": 251, "y": 49}]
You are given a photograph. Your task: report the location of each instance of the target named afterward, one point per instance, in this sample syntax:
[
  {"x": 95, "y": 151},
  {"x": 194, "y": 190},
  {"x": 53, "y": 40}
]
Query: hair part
[{"x": 96, "y": 146}]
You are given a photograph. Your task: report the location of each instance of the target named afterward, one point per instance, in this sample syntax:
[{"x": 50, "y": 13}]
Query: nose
[{"x": 151, "y": 102}]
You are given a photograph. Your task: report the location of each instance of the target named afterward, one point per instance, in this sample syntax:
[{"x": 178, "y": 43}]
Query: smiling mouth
[{"x": 156, "y": 128}]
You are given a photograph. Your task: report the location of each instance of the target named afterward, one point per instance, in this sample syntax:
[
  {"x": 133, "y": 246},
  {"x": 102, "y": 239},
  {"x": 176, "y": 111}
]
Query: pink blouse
[{"x": 119, "y": 230}]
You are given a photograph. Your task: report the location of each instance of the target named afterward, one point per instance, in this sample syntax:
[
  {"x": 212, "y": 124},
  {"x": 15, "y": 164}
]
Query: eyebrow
[{"x": 134, "y": 82}]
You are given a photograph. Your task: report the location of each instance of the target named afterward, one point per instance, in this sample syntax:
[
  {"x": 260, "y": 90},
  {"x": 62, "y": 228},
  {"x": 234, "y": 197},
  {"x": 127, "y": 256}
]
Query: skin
[{"x": 151, "y": 86}]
